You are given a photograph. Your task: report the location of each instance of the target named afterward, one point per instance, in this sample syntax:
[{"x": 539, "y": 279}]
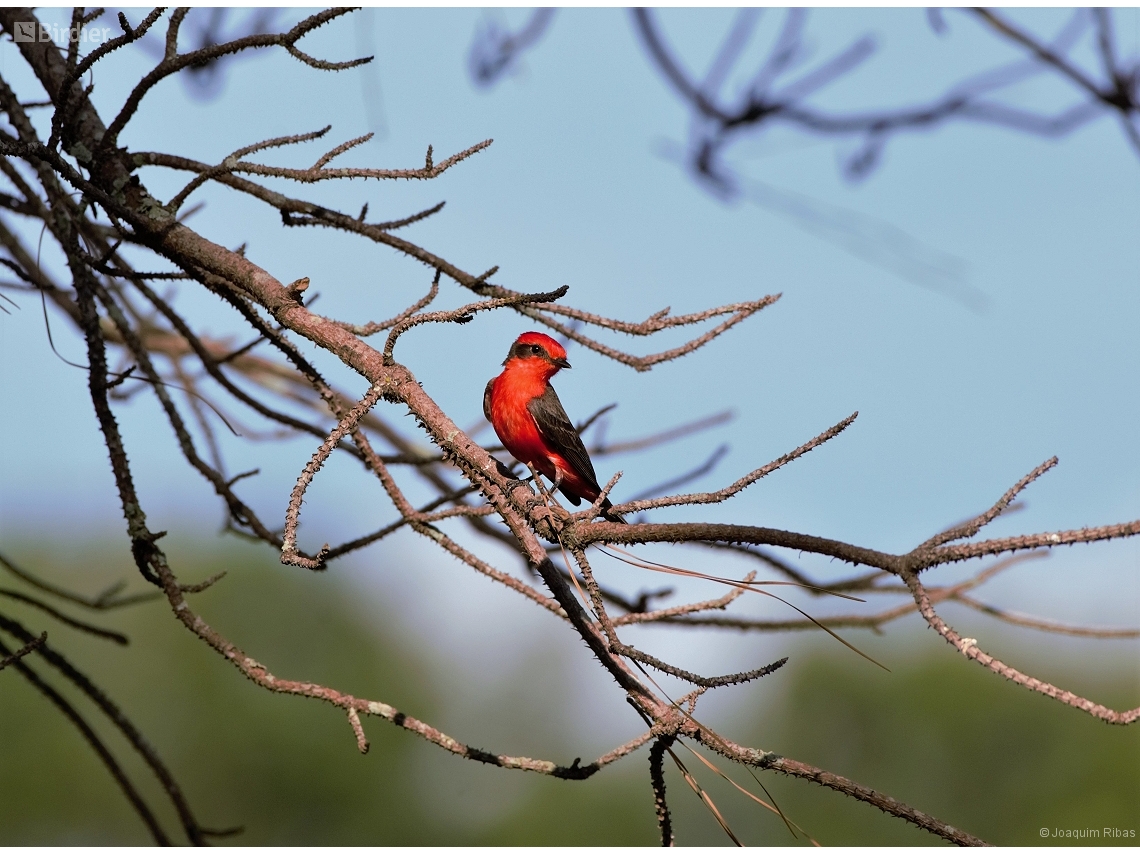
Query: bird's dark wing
[
  {"x": 561, "y": 435},
  {"x": 487, "y": 398}
]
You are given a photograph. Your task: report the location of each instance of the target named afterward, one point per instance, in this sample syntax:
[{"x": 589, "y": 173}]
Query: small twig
[
  {"x": 358, "y": 729},
  {"x": 99, "y": 632},
  {"x": 202, "y": 586},
  {"x": 685, "y": 477},
  {"x": 380, "y": 534},
  {"x": 737, "y": 486},
  {"x": 289, "y": 553},
  {"x": 392, "y": 225},
  {"x": 318, "y": 172},
  {"x": 595, "y": 509},
  {"x": 464, "y": 314},
  {"x": 174, "y": 62},
  {"x": 691, "y": 608},
  {"x": 697, "y": 679},
  {"x": 883, "y": 802},
  {"x": 737, "y": 312},
  {"x": 969, "y": 648},
  {"x": 372, "y": 327},
  {"x": 34, "y": 644},
  {"x": 230, "y": 163},
  {"x": 103, "y": 601},
  {"x": 922, "y": 559},
  {"x": 973, "y": 526}
]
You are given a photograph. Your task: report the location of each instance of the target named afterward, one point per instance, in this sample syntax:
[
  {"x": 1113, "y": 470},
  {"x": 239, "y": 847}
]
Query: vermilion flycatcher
[{"x": 528, "y": 417}]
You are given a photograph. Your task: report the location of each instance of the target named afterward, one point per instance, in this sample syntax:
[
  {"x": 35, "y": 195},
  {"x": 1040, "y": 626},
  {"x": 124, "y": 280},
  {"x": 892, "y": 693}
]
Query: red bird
[{"x": 528, "y": 417}]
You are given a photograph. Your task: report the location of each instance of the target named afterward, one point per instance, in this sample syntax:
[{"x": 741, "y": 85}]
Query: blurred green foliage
[
  {"x": 949, "y": 739},
  {"x": 285, "y": 768},
  {"x": 938, "y": 733}
]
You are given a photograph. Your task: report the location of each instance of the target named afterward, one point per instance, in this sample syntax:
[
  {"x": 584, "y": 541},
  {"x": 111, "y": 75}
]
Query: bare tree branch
[{"x": 15, "y": 656}]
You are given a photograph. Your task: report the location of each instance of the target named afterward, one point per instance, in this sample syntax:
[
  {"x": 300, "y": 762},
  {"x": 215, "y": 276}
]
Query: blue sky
[{"x": 580, "y": 188}]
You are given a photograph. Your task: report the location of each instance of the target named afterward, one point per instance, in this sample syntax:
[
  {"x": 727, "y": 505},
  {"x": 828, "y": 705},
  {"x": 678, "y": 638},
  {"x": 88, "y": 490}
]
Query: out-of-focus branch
[
  {"x": 88, "y": 733},
  {"x": 771, "y": 99},
  {"x": 107, "y": 599},
  {"x": 125, "y": 726},
  {"x": 97, "y": 631},
  {"x": 495, "y": 50},
  {"x": 14, "y": 656}
]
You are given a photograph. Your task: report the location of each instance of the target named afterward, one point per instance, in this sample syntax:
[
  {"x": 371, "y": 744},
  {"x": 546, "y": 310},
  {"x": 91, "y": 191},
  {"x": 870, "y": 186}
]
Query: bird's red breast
[{"x": 513, "y": 422}]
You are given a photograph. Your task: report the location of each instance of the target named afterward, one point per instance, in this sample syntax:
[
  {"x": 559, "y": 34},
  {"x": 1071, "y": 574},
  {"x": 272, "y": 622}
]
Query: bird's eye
[{"x": 535, "y": 349}]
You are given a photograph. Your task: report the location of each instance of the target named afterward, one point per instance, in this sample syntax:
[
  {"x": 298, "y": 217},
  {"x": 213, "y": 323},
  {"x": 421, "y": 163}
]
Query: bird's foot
[
  {"x": 548, "y": 521},
  {"x": 532, "y": 500},
  {"x": 514, "y": 483}
]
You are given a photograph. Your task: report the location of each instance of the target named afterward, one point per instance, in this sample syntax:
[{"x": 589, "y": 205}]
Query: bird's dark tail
[
  {"x": 607, "y": 505},
  {"x": 608, "y": 514}
]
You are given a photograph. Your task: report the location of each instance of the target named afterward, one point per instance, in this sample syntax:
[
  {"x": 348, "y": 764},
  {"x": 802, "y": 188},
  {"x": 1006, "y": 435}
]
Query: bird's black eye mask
[{"x": 524, "y": 351}]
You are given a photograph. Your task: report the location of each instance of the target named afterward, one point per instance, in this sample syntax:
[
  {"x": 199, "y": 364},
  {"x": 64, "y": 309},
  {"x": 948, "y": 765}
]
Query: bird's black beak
[{"x": 560, "y": 362}]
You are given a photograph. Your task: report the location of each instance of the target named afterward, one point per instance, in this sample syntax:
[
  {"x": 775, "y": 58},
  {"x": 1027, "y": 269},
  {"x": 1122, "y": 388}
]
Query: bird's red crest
[{"x": 544, "y": 341}]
